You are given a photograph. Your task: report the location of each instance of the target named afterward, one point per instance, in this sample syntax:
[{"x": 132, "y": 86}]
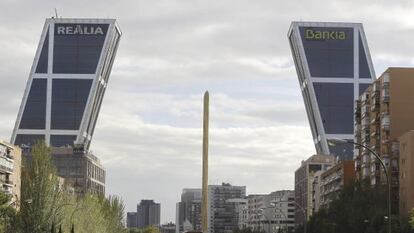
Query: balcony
[
  {"x": 385, "y": 78},
  {"x": 385, "y": 123},
  {"x": 8, "y": 183}
]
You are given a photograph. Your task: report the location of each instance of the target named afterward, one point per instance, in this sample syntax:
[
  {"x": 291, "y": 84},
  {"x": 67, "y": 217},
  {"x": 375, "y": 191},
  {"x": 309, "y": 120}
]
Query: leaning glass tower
[
  {"x": 334, "y": 67},
  {"x": 67, "y": 82}
]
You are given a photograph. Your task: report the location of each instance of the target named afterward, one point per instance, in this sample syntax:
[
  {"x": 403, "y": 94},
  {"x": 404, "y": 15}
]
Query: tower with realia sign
[{"x": 67, "y": 82}]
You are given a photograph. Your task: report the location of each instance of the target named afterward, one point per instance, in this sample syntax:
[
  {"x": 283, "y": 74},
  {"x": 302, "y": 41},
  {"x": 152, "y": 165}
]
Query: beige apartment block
[
  {"x": 406, "y": 173},
  {"x": 383, "y": 113},
  {"x": 10, "y": 171},
  {"x": 304, "y": 179},
  {"x": 334, "y": 180}
]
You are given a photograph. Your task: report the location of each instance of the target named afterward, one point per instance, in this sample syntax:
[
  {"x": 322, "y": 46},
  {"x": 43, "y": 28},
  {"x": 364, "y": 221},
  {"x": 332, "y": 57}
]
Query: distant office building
[
  {"x": 333, "y": 181},
  {"x": 189, "y": 211},
  {"x": 223, "y": 202},
  {"x": 148, "y": 214},
  {"x": 67, "y": 82},
  {"x": 132, "y": 220},
  {"x": 406, "y": 162},
  {"x": 10, "y": 171},
  {"x": 270, "y": 213},
  {"x": 304, "y": 178},
  {"x": 383, "y": 114},
  {"x": 80, "y": 169},
  {"x": 167, "y": 228},
  {"x": 334, "y": 67}
]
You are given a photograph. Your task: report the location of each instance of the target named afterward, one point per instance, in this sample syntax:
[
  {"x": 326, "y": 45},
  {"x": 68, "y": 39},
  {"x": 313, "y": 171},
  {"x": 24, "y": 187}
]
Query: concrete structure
[
  {"x": 148, "y": 214},
  {"x": 304, "y": 178},
  {"x": 384, "y": 112},
  {"x": 67, "y": 82},
  {"x": 79, "y": 168},
  {"x": 316, "y": 191},
  {"x": 268, "y": 212},
  {"x": 333, "y": 180},
  {"x": 223, "y": 206},
  {"x": 189, "y": 211},
  {"x": 10, "y": 171},
  {"x": 334, "y": 67},
  {"x": 204, "y": 201},
  {"x": 406, "y": 162}
]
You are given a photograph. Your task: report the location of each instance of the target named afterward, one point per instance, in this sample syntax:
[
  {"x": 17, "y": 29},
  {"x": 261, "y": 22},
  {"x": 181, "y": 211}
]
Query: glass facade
[
  {"x": 333, "y": 68},
  {"x": 336, "y": 106},
  {"x": 77, "y": 47},
  {"x": 62, "y": 140},
  {"x": 363, "y": 62},
  {"x": 34, "y": 114},
  {"x": 66, "y": 89},
  {"x": 28, "y": 139},
  {"x": 343, "y": 150},
  {"x": 329, "y": 51},
  {"x": 362, "y": 88},
  {"x": 44, "y": 55},
  {"x": 69, "y": 97}
]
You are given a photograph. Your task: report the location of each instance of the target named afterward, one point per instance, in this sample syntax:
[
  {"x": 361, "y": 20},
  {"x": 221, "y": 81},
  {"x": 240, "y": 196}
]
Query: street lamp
[{"x": 334, "y": 141}]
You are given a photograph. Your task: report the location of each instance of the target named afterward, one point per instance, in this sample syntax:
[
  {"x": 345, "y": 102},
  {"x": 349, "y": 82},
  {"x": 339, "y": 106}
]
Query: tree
[
  {"x": 113, "y": 211},
  {"x": 412, "y": 218},
  {"x": 40, "y": 192},
  {"x": 359, "y": 207},
  {"x": 149, "y": 229},
  {"x": 7, "y": 212}
]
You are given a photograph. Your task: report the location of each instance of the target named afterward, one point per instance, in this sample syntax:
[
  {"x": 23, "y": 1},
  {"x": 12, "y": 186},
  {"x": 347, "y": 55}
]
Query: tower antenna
[{"x": 56, "y": 13}]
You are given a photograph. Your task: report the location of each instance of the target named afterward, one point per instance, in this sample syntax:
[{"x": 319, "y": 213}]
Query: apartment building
[
  {"x": 334, "y": 179},
  {"x": 304, "y": 178},
  {"x": 383, "y": 113},
  {"x": 10, "y": 171},
  {"x": 270, "y": 213},
  {"x": 223, "y": 206},
  {"x": 406, "y": 165}
]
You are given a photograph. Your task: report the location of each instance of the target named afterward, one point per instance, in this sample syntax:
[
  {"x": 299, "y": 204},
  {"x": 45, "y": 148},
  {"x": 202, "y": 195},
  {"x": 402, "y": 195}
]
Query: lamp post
[{"x": 335, "y": 140}]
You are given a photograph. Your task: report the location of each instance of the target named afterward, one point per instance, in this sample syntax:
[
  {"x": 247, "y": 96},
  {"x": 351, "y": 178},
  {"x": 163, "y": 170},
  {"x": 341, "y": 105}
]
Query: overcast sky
[{"x": 148, "y": 135}]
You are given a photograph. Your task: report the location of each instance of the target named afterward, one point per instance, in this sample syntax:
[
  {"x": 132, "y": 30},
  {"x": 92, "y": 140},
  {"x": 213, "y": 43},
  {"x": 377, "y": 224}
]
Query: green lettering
[
  {"x": 318, "y": 35},
  {"x": 309, "y": 34}
]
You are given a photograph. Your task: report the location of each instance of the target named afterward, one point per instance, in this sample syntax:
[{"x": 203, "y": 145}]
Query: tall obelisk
[{"x": 204, "y": 201}]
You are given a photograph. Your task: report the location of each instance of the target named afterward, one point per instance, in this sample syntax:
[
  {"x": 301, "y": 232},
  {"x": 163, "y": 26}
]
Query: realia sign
[{"x": 80, "y": 29}]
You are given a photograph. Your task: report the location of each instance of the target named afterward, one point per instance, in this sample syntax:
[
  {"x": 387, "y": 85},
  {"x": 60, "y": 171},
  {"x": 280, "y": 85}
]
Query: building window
[
  {"x": 34, "y": 114},
  {"x": 69, "y": 97},
  {"x": 78, "y": 52}
]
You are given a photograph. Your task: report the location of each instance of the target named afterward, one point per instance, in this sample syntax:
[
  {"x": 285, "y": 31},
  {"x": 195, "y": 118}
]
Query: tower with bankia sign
[
  {"x": 67, "y": 82},
  {"x": 334, "y": 67}
]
